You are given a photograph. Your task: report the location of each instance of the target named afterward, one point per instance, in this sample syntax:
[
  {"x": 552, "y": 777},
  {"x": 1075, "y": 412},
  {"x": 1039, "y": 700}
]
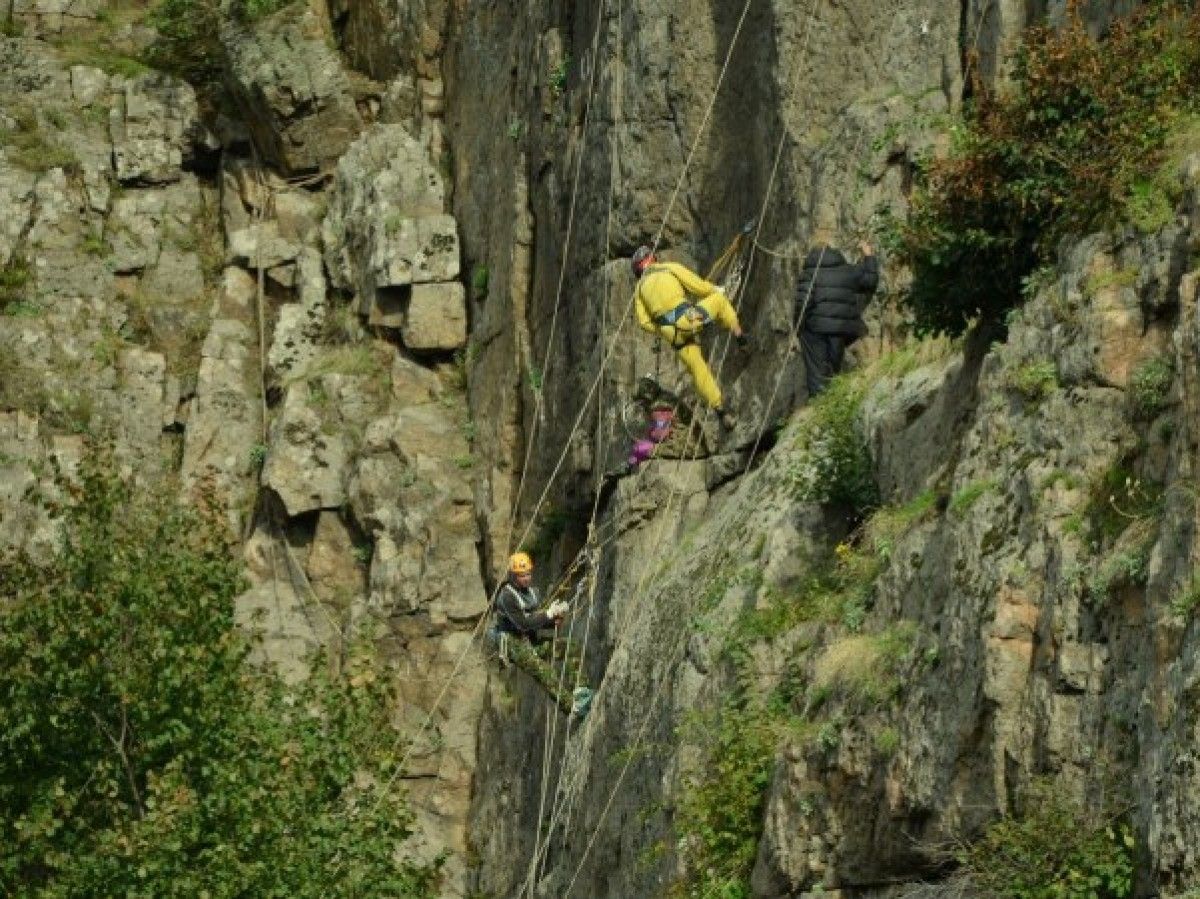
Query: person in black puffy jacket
[{"x": 830, "y": 297}]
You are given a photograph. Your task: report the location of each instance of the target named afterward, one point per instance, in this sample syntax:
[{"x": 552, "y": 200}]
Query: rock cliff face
[{"x": 395, "y": 339}]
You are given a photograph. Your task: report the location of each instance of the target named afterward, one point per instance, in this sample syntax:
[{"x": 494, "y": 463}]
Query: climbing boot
[
  {"x": 726, "y": 417},
  {"x": 581, "y": 702}
]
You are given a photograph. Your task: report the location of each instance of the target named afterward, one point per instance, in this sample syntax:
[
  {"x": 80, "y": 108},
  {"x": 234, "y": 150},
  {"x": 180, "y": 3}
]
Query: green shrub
[
  {"x": 1185, "y": 603},
  {"x": 1035, "y": 381},
  {"x": 187, "y": 40},
  {"x": 1117, "y": 499},
  {"x": 834, "y": 464},
  {"x": 1150, "y": 386},
  {"x": 1124, "y": 568},
  {"x": 1083, "y": 121},
  {"x": 719, "y": 818},
  {"x": 887, "y": 741},
  {"x": 142, "y": 755},
  {"x": 1055, "y": 850},
  {"x": 479, "y": 282}
]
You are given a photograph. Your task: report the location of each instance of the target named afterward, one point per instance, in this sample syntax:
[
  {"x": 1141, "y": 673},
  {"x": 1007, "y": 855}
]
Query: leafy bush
[
  {"x": 719, "y": 819},
  {"x": 1035, "y": 381},
  {"x": 142, "y": 755},
  {"x": 1074, "y": 139},
  {"x": 187, "y": 42},
  {"x": 835, "y": 464},
  {"x": 1056, "y": 850},
  {"x": 1185, "y": 603},
  {"x": 1118, "y": 499},
  {"x": 1150, "y": 386}
]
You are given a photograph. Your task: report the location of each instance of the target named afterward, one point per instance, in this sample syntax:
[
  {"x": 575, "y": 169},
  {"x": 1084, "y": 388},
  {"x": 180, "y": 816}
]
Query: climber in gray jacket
[{"x": 830, "y": 298}]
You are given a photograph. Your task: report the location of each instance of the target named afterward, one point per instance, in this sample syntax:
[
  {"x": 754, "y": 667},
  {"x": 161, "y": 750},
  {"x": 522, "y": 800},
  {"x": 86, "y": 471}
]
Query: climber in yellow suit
[{"x": 675, "y": 303}]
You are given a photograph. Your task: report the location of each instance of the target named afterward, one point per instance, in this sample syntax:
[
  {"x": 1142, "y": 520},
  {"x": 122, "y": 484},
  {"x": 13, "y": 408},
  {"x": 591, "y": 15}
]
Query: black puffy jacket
[{"x": 840, "y": 292}]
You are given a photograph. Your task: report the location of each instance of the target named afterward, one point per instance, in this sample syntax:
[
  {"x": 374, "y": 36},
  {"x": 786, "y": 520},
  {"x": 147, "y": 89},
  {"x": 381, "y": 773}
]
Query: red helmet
[{"x": 641, "y": 257}]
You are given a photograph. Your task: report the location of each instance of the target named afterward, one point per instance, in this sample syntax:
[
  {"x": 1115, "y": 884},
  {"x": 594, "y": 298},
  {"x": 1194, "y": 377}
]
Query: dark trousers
[{"x": 823, "y": 354}]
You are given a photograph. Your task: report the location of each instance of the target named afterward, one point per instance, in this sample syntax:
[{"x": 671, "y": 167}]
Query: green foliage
[
  {"x": 546, "y": 530},
  {"x": 479, "y": 282},
  {"x": 95, "y": 244},
  {"x": 187, "y": 42},
  {"x": 1124, "y": 277},
  {"x": 10, "y": 27},
  {"x": 1056, "y": 850},
  {"x": 142, "y": 755},
  {"x": 534, "y": 377},
  {"x": 965, "y": 498},
  {"x": 14, "y": 278},
  {"x": 98, "y": 53},
  {"x": 558, "y": 76},
  {"x": 887, "y": 741},
  {"x": 258, "y": 455},
  {"x": 1185, "y": 603},
  {"x": 834, "y": 464},
  {"x": 1124, "y": 568},
  {"x": 28, "y": 146},
  {"x": 1035, "y": 380},
  {"x": 1117, "y": 499},
  {"x": 1077, "y": 135},
  {"x": 719, "y": 818},
  {"x": 1150, "y": 386},
  {"x": 1148, "y": 206}
]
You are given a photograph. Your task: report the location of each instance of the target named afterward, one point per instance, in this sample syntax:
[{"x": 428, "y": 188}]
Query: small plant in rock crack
[
  {"x": 834, "y": 463},
  {"x": 1150, "y": 386},
  {"x": 558, "y": 76},
  {"x": 258, "y": 455}
]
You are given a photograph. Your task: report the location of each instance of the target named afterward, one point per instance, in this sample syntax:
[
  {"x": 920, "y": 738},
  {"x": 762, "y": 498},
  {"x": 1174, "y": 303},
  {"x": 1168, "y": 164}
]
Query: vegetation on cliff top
[
  {"x": 1077, "y": 141},
  {"x": 142, "y": 754}
]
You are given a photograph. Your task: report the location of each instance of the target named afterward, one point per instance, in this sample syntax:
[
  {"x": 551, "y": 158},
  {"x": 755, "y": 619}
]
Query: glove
[{"x": 557, "y": 609}]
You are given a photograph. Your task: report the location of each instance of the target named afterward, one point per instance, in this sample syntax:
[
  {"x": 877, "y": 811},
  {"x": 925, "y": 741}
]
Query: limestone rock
[
  {"x": 436, "y": 318},
  {"x": 16, "y": 204},
  {"x": 155, "y": 128},
  {"x": 225, "y": 418},
  {"x": 260, "y": 245},
  {"x": 385, "y": 227},
  {"x": 292, "y": 88},
  {"x": 300, "y": 326},
  {"x": 306, "y": 466},
  {"x": 88, "y": 84},
  {"x": 52, "y": 17}
]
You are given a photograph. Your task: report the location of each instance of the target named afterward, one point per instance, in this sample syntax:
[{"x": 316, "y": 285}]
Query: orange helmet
[{"x": 520, "y": 563}]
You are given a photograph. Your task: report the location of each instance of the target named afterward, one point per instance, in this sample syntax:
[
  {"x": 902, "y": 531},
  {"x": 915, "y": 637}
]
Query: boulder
[
  {"x": 293, "y": 90},
  {"x": 155, "y": 129},
  {"x": 307, "y": 465},
  {"x": 385, "y": 227},
  {"x": 436, "y": 317}
]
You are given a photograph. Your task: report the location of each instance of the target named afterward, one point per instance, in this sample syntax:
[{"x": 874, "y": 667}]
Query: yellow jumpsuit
[{"x": 661, "y": 289}]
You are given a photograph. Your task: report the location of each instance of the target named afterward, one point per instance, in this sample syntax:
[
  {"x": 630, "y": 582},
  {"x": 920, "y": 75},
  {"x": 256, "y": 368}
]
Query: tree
[{"x": 142, "y": 754}]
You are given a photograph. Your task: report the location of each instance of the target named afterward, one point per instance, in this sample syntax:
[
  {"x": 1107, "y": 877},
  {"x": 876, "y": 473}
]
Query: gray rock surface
[
  {"x": 292, "y": 89},
  {"x": 155, "y": 129}
]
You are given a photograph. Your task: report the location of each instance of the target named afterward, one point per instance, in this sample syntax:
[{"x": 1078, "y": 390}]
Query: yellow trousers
[{"x": 687, "y": 332}]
